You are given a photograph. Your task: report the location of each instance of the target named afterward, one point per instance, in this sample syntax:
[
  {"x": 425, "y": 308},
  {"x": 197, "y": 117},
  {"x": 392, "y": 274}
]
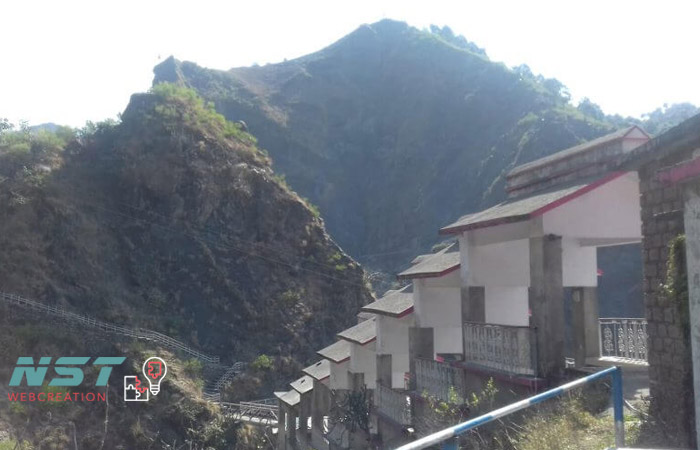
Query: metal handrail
[
  {"x": 138, "y": 333},
  {"x": 448, "y": 436}
]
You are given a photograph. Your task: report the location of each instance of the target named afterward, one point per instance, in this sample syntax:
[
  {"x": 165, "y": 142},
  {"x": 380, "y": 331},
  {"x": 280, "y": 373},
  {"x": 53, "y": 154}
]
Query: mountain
[
  {"x": 394, "y": 132},
  {"x": 170, "y": 220}
]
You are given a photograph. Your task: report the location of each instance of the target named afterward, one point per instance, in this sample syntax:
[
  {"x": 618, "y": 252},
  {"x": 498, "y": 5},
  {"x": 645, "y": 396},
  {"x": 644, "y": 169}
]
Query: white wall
[
  {"x": 507, "y": 305},
  {"x": 579, "y": 264},
  {"x": 502, "y": 264},
  {"x": 609, "y": 211},
  {"x": 339, "y": 375},
  {"x": 392, "y": 339},
  {"x": 363, "y": 359},
  {"x": 440, "y": 308}
]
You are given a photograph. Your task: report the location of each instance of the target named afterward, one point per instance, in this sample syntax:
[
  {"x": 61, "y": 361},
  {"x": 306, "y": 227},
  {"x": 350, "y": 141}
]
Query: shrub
[
  {"x": 193, "y": 368},
  {"x": 262, "y": 362}
]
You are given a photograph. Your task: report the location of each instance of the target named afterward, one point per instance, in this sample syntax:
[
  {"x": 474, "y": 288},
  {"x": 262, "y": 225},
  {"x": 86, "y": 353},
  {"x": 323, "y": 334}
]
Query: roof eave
[
  {"x": 485, "y": 224},
  {"x": 354, "y": 341},
  {"x": 334, "y": 361},
  {"x": 515, "y": 172},
  {"x": 398, "y": 315}
]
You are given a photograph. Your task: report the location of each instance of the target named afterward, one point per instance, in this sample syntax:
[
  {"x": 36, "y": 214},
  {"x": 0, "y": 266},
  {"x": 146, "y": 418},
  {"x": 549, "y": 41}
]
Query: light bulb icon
[{"x": 154, "y": 369}]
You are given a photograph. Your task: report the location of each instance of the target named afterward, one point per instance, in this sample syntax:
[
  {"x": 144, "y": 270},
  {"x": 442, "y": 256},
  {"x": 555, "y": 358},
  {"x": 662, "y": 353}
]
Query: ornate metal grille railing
[
  {"x": 252, "y": 412},
  {"x": 394, "y": 404},
  {"x": 501, "y": 347},
  {"x": 624, "y": 338},
  {"x": 436, "y": 379}
]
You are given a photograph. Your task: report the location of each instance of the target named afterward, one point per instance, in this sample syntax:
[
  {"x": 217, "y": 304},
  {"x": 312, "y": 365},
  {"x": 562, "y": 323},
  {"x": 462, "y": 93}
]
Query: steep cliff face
[
  {"x": 393, "y": 131},
  {"x": 173, "y": 220}
]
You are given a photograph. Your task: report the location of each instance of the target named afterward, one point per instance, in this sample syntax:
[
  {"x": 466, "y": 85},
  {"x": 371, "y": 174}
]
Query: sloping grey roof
[
  {"x": 437, "y": 265},
  {"x": 394, "y": 303},
  {"x": 337, "y": 352},
  {"x": 362, "y": 333},
  {"x": 510, "y": 211},
  {"x": 291, "y": 398},
  {"x": 303, "y": 384},
  {"x": 681, "y": 137},
  {"x": 364, "y": 315},
  {"x": 563, "y": 154},
  {"x": 421, "y": 258},
  {"x": 320, "y": 370}
]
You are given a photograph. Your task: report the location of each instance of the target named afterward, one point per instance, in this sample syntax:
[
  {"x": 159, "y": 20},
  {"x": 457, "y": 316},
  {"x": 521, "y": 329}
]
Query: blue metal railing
[{"x": 448, "y": 436}]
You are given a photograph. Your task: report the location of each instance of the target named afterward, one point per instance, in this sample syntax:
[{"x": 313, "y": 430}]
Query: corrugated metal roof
[
  {"x": 362, "y": 333},
  {"x": 291, "y": 398},
  {"x": 566, "y": 153},
  {"x": 303, "y": 384},
  {"x": 320, "y": 370},
  {"x": 337, "y": 352},
  {"x": 437, "y": 265},
  {"x": 393, "y": 303}
]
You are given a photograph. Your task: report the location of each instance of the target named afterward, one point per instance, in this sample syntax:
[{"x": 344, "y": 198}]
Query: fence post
[{"x": 618, "y": 411}]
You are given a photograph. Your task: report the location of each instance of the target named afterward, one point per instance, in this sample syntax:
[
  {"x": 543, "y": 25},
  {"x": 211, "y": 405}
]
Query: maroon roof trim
[
  {"x": 538, "y": 212},
  {"x": 574, "y": 195},
  {"x": 405, "y": 313},
  {"x": 680, "y": 172}
]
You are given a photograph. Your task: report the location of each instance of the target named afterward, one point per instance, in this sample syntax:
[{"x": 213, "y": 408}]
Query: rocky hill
[
  {"x": 172, "y": 220},
  {"x": 394, "y": 132}
]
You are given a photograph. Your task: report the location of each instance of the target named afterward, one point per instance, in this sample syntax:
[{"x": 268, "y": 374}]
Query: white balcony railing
[
  {"x": 394, "y": 404},
  {"x": 624, "y": 338},
  {"x": 436, "y": 378},
  {"x": 505, "y": 348}
]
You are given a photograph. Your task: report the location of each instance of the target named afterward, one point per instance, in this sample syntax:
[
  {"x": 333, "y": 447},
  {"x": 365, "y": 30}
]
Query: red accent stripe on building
[
  {"x": 538, "y": 212},
  {"x": 405, "y": 313},
  {"x": 574, "y": 195},
  {"x": 680, "y": 172}
]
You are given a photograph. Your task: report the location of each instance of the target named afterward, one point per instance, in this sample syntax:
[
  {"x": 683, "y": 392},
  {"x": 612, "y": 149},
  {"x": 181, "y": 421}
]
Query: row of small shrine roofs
[{"x": 484, "y": 275}]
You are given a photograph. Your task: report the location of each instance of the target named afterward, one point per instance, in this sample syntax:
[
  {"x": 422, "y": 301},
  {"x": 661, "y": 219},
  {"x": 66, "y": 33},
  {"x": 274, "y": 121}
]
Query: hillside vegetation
[
  {"x": 394, "y": 132},
  {"x": 172, "y": 219}
]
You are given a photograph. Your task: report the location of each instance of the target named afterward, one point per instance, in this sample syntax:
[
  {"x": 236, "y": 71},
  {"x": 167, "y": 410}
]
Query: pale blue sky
[{"x": 70, "y": 61}]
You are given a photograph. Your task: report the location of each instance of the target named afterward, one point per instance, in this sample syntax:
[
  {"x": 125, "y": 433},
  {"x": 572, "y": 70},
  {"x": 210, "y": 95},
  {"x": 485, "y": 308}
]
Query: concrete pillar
[
  {"x": 546, "y": 303},
  {"x": 473, "y": 304},
  {"x": 291, "y": 441},
  {"x": 420, "y": 345},
  {"x": 384, "y": 378},
  {"x": 304, "y": 415},
  {"x": 281, "y": 422},
  {"x": 691, "y": 217},
  {"x": 384, "y": 370},
  {"x": 320, "y": 407},
  {"x": 356, "y": 381},
  {"x": 578, "y": 314},
  {"x": 590, "y": 321}
]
